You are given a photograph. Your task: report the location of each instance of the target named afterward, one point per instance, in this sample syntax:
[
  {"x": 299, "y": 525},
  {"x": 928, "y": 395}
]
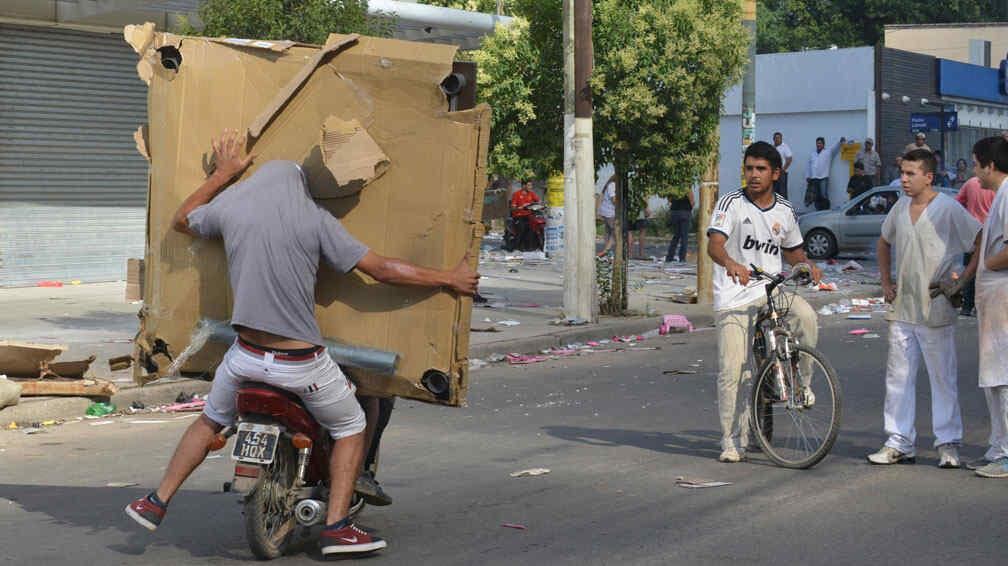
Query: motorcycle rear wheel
[{"x": 269, "y": 509}]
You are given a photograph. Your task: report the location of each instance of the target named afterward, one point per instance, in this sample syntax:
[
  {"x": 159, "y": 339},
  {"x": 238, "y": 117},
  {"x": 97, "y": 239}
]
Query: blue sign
[
  {"x": 932, "y": 122},
  {"x": 970, "y": 81}
]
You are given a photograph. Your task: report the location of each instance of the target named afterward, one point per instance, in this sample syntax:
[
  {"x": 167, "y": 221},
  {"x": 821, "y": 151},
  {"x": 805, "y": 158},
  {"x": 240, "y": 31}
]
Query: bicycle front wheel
[{"x": 797, "y": 426}]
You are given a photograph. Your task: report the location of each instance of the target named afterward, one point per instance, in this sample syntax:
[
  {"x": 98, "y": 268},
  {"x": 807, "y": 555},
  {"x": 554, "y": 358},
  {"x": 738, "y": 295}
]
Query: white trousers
[
  {"x": 908, "y": 343},
  {"x": 997, "y": 405}
]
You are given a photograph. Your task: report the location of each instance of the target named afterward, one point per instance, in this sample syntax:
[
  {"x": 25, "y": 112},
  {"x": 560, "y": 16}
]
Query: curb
[
  {"x": 634, "y": 325},
  {"x": 39, "y": 409}
]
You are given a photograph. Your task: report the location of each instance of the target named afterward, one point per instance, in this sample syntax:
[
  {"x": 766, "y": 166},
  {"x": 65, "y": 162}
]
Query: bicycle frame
[{"x": 776, "y": 337}]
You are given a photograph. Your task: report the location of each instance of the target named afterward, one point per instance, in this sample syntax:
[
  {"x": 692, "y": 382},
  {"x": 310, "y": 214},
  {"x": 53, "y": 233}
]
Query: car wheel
[{"x": 820, "y": 244}]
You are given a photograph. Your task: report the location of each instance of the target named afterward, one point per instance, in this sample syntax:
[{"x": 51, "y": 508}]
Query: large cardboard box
[{"x": 422, "y": 204}]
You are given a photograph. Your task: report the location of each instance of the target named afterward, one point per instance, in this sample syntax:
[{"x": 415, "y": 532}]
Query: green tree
[
  {"x": 307, "y": 21},
  {"x": 661, "y": 68},
  {"x": 793, "y": 25},
  {"x": 488, "y": 6}
]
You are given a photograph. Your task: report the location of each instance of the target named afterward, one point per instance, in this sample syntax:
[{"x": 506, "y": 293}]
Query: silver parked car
[{"x": 854, "y": 225}]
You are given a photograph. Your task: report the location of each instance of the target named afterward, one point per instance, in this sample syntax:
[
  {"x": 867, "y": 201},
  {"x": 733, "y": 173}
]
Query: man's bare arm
[
  {"x": 717, "y": 252},
  {"x": 884, "y": 252},
  {"x": 971, "y": 268},
  {"x": 462, "y": 280},
  {"x": 998, "y": 261},
  {"x": 230, "y": 161},
  {"x": 796, "y": 256}
]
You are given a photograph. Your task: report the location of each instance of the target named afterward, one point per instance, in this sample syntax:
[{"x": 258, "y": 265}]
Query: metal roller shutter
[{"x": 73, "y": 189}]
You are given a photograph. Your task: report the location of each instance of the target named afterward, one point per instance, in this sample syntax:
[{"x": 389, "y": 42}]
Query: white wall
[{"x": 803, "y": 95}]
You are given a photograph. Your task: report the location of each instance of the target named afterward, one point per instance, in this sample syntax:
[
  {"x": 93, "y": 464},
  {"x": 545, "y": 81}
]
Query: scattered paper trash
[
  {"x": 679, "y": 371},
  {"x": 514, "y": 526},
  {"x": 121, "y": 484},
  {"x": 694, "y": 483},
  {"x": 101, "y": 423},
  {"x": 530, "y": 472},
  {"x": 476, "y": 363},
  {"x": 871, "y": 336},
  {"x": 853, "y": 266},
  {"x": 827, "y": 286},
  {"x": 508, "y": 322},
  {"x": 100, "y": 409},
  {"x": 859, "y": 332},
  {"x": 859, "y": 317}
]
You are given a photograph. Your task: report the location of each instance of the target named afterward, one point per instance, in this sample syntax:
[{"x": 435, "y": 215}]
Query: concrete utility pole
[
  {"x": 580, "y": 298},
  {"x": 570, "y": 256},
  {"x": 710, "y": 185}
]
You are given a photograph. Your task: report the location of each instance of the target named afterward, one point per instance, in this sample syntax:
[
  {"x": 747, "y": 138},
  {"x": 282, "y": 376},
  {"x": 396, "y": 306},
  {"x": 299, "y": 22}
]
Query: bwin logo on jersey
[{"x": 765, "y": 247}]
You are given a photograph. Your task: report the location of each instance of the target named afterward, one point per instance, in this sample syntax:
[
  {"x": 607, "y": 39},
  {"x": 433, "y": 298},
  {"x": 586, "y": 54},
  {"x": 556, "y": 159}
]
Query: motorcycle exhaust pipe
[
  {"x": 377, "y": 361},
  {"x": 309, "y": 512}
]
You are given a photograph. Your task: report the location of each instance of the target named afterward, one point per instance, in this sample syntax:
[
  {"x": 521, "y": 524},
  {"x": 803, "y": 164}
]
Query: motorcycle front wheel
[{"x": 269, "y": 509}]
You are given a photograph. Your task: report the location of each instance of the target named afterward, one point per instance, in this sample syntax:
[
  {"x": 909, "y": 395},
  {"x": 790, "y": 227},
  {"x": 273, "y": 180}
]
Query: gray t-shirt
[{"x": 274, "y": 235}]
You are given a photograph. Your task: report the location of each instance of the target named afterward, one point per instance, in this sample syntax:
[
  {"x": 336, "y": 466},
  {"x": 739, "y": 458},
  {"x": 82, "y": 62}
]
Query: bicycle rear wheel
[{"x": 796, "y": 435}]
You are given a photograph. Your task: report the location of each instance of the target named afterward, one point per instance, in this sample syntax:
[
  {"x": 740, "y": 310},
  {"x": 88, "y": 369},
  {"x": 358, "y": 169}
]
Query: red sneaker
[
  {"x": 348, "y": 539},
  {"x": 146, "y": 512}
]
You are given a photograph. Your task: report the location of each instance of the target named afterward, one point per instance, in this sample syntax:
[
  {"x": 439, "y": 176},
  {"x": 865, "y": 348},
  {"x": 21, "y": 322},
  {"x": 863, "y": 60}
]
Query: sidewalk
[{"x": 527, "y": 290}]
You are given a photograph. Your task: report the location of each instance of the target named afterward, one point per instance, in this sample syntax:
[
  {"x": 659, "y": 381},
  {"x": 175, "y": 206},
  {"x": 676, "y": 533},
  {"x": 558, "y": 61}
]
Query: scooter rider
[
  {"x": 274, "y": 235},
  {"x": 520, "y": 215}
]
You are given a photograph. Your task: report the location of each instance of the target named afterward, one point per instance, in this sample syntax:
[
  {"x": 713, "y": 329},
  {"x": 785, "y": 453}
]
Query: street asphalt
[{"x": 615, "y": 433}]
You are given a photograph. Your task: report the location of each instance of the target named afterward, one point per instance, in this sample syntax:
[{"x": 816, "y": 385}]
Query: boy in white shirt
[
  {"x": 755, "y": 226},
  {"x": 924, "y": 235}
]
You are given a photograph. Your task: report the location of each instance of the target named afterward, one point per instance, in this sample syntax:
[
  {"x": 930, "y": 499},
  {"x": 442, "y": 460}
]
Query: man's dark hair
[
  {"x": 859, "y": 165},
  {"x": 992, "y": 150},
  {"x": 927, "y": 159},
  {"x": 775, "y": 134},
  {"x": 821, "y": 140},
  {"x": 763, "y": 150}
]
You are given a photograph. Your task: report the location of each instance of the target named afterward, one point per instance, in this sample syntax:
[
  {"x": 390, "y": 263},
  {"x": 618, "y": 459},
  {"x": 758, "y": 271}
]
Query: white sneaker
[
  {"x": 948, "y": 456},
  {"x": 730, "y": 456},
  {"x": 808, "y": 397},
  {"x": 888, "y": 455}
]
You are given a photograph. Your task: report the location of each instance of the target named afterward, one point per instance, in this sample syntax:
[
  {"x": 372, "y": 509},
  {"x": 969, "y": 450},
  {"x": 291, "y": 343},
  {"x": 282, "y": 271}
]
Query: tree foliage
[
  {"x": 488, "y": 6},
  {"x": 793, "y": 25},
  {"x": 307, "y": 21}
]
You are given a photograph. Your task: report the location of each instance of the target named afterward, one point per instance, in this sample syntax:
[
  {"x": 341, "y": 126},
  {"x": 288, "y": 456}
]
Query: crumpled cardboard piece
[
  {"x": 424, "y": 208},
  {"x": 22, "y": 359},
  {"x": 351, "y": 155}
]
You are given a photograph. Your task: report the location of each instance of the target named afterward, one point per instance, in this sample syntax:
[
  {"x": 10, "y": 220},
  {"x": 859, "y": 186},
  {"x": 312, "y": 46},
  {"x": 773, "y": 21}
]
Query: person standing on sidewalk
[
  {"x": 274, "y": 236},
  {"x": 753, "y": 226},
  {"x": 605, "y": 208},
  {"x": 928, "y": 232},
  {"x": 817, "y": 173},
  {"x": 871, "y": 161},
  {"x": 990, "y": 164},
  {"x": 679, "y": 216},
  {"x": 977, "y": 200},
  {"x": 781, "y": 185}
]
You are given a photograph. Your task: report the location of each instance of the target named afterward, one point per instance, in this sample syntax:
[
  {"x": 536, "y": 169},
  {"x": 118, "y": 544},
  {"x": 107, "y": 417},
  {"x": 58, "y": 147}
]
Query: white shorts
[{"x": 319, "y": 382}]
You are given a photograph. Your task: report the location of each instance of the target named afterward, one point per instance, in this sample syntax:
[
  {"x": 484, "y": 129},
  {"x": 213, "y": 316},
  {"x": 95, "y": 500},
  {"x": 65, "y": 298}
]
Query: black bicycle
[{"x": 796, "y": 402}]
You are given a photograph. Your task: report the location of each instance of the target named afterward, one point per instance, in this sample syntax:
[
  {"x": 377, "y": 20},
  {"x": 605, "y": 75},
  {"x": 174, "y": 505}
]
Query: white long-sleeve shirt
[{"x": 819, "y": 162}]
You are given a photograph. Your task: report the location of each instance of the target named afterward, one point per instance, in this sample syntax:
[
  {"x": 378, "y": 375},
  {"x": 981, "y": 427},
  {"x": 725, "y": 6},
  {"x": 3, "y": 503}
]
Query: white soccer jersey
[{"x": 755, "y": 237}]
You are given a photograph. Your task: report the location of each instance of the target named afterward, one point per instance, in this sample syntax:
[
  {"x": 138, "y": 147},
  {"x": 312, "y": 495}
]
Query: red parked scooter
[
  {"x": 281, "y": 458},
  {"x": 526, "y": 233}
]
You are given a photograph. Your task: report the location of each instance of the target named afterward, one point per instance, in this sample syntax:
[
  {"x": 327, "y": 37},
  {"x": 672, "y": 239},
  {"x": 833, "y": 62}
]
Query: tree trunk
[{"x": 618, "y": 296}]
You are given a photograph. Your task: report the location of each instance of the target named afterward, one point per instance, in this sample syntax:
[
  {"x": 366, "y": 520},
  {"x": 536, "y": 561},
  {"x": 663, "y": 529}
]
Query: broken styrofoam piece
[
  {"x": 530, "y": 472},
  {"x": 508, "y": 322}
]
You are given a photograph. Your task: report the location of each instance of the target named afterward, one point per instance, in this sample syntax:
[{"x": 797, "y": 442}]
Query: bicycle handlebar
[{"x": 799, "y": 271}]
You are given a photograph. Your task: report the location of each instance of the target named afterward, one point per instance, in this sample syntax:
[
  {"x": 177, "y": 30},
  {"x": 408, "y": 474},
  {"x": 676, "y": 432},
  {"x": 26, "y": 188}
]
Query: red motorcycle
[
  {"x": 526, "y": 233},
  {"x": 281, "y": 458}
]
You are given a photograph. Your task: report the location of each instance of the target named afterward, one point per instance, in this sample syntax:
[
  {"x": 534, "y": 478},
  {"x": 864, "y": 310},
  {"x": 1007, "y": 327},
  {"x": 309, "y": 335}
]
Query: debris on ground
[
  {"x": 678, "y": 372},
  {"x": 121, "y": 484},
  {"x": 486, "y": 329},
  {"x": 569, "y": 322},
  {"x": 859, "y": 332},
  {"x": 191, "y": 406},
  {"x": 10, "y": 392},
  {"x": 852, "y": 266},
  {"x": 871, "y": 336},
  {"x": 508, "y": 323},
  {"x": 824, "y": 286},
  {"x": 514, "y": 526},
  {"x": 120, "y": 363},
  {"x": 476, "y": 363},
  {"x": 859, "y": 317},
  {"x": 530, "y": 472},
  {"x": 100, "y": 409},
  {"x": 674, "y": 323},
  {"x": 694, "y": 483}
]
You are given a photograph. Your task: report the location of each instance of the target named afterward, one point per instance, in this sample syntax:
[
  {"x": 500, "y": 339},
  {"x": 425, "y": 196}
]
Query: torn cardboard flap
[
  {"x": 351, "y": 155},
  {"x": 140, "y": 136},
  {"x": 285, "y": 94},
  {"x": 139, "y": 37},
  {"x": 21, "y": 359}
]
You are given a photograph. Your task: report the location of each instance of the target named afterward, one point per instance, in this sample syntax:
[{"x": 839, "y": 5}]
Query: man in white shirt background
[
  {"x": 780, "y": 186},
  {"x": 817, "y": 173}
]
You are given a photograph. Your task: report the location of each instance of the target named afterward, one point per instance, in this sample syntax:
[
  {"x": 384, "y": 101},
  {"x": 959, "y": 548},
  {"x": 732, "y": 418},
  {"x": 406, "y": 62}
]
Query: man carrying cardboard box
[{"x": 274, "y": 235}]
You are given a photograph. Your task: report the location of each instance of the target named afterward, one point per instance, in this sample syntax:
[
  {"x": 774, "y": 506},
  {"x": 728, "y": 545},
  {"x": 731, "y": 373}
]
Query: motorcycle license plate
[{"x": 256, "y": 443}]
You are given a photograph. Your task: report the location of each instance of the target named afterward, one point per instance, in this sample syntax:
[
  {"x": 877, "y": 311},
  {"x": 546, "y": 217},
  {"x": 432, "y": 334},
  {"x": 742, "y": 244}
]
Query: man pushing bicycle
[{"x": 752, "y": 226}]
